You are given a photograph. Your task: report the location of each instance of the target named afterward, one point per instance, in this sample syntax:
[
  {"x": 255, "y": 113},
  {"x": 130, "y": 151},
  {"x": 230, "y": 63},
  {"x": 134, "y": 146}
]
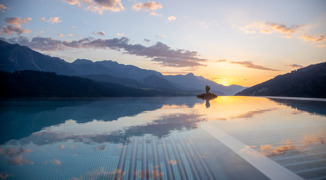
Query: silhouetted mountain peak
[
  {"x": 82, "y": 61},
  {"x": 190, "y": 75},
  {"x": 305, "y": 82}
]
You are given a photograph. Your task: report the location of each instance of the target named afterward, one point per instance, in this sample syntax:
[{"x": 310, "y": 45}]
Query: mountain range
[
  {"x": 305, "y": 82},
  {"x": 14, "y": 57}
]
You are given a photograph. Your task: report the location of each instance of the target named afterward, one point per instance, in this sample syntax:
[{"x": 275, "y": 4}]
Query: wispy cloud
[
  {"x": 171, "y": 18},
  {"x": 249, "y": 64},
  {"x": 100, "y": 33},
  {"x": 98, "y": 6},
  {"x": 296, "y": 66},
  {"x": 149, "y": 6},
  {"x": 60, "y": 35},
  {"x": 3, "y": 8},
  {"x": 120, "y": 34},
  {"x": 314, "y": 39},
  {"x": 268, "y": 28},
  {"x": 160, "y": 36},
  {"x": 221, "y": 60},
  {"x": 15, "y": 24},
  {"x": 159, "y": 52}
]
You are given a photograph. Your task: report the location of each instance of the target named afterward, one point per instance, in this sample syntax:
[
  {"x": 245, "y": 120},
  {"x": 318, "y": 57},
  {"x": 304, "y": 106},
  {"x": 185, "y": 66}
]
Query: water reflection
[{"x": 153, "y": 138}]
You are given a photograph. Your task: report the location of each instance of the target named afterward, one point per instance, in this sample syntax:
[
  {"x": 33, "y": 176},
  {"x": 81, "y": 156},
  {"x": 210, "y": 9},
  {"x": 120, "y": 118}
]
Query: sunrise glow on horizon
[{"x": 229, "y": 42}]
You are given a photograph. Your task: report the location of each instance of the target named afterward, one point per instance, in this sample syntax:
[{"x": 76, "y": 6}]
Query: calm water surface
[{"x": 163, "y": 138}]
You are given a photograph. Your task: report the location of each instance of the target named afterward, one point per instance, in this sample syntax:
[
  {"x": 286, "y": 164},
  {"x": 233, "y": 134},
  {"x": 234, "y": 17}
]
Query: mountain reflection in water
[{"x": 157, "y": 137}]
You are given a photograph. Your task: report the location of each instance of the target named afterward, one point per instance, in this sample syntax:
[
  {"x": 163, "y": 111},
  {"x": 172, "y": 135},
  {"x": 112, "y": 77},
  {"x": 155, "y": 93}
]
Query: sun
[{"x": 223, "y": 81}]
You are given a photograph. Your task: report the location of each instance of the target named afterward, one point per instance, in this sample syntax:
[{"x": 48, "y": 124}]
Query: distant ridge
[
  {"x": 14, "y": 57},
  {"x": 305, "y": 82},
  {"x": 36, "y": 84}
]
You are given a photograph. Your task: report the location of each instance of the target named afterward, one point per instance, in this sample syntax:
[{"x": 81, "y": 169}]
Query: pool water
[{"x": 163, "y": 138}]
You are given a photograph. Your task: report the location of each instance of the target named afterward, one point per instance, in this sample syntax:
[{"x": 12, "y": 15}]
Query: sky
[{"x": 229, "y": 42}]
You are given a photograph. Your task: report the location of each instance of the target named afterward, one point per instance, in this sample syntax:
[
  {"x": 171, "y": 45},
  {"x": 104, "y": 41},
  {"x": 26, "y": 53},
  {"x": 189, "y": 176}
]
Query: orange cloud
[
  {"x": 249, "y": 64},
  {"x": 171, "y": 18},
  {"x": 55, "y": 162},
  {"x": 18, "y": 21},
  {"x": 98, "y": 6},
  {"x": 314, "y": 39},
  {"x": 54, "y": 20},
  {"x": 3, "y": 8},
  {"x": 269, "y": 150},
  {"x": 149, "y": 6},
  {"x": 15, "y": 155},
  {"x": 4, "y": 175},
  {"x": 147, "y": 174},
  {"x": 309, "y": 140},
  {"x": 173, "y": 162},
  {"x": 15, "y": 25},
  {"x": 268, "y": 28}
]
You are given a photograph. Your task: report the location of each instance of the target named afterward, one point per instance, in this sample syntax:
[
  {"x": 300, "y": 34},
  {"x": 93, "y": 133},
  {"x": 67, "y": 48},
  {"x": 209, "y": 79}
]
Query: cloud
[
  {"x": 54, "y": 20},
  {"x": 296, "y": 66},
  {"x": 160, "y": 36},
  {"x": 221, "y": 60},
  {"x": 72, "y": 2},
  {"x": 100, "y": 148},
  {"x": 149, "y": 6},
  {"x": 173, "y": 162},
  {"x": 55, "y": 162},
  {"x": 171, "y": 18},
  {"x": 73, "y": 27},
  {"x": 314, "y": 39},
  {"x": 98, "y": 6},
  {"x": 15, "y": 155},
  {"x": 15, "y": 24},
  {"x": 250, "y": 114},
  {"x": 60, "y": 35},
  {"x": 120, "y": 34},
  {"x": 269, "y": 150},
  {"x": 15, "y": 29},
  {"x": 159, "y": 52},
  {"x": 71, "y": 34},
  {"x": 100, "y": 33},
  {"x": 321, "y": 45},
  {"x": 4, "y": 175},
  {"x": 17, "y": 21},
  {"x": 249, "y": 64},
  {"x": 3, "y": 8},
  {"x": 155, "y": 174},
  {"x": 268, "y": 28}
]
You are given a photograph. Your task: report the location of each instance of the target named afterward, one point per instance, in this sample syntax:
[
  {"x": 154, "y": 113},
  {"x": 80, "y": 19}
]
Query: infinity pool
[{"x": 163, "y": 138}]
